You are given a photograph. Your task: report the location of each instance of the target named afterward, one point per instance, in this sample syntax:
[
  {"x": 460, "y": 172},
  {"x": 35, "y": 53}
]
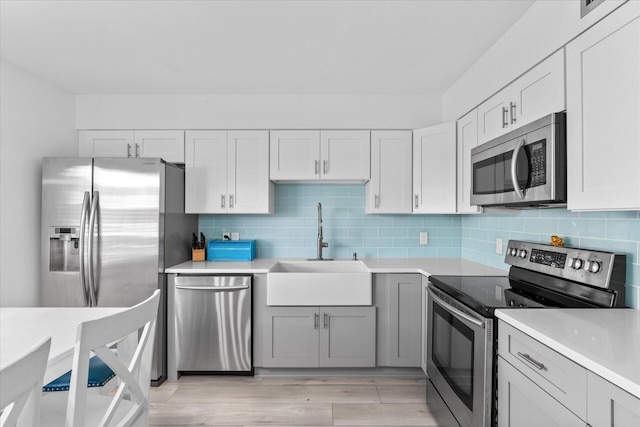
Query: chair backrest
[
  {"x": 19, "y": 381},
  {"x": 134, "y": 331}
]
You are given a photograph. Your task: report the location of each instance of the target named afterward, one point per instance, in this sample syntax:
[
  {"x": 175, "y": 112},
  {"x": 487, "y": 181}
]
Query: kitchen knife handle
[{"x": 83, "y": 243}]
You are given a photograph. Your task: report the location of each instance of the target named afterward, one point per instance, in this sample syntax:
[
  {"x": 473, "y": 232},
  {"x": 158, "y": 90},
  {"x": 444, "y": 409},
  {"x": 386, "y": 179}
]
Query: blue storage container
[{"x": 231, "y": 250}]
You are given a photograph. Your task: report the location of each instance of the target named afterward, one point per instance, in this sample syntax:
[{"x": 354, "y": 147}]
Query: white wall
[
  {"x": 233, "y": 111},
  {"x": 543, "y": 29},
  {"x": 36, "y": 120}
]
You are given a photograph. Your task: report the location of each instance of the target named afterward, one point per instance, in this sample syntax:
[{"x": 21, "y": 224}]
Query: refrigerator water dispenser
[{"x": 64, "y": 253}]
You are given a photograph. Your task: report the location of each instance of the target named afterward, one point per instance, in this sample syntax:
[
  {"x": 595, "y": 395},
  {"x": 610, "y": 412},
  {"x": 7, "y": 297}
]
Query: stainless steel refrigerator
[{"x": 109, "y": 228}]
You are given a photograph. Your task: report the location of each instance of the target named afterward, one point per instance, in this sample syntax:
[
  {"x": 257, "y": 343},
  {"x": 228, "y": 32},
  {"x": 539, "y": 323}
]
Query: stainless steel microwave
[{"x": 525, "y": 168}]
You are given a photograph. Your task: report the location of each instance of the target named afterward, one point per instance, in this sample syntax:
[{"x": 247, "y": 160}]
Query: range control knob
[
  {"x": 593, "y": 266},
  {"x": 575, "y": 263},
  {"x": 513, "y": 251},
  {"x": 522, "y": 254}
]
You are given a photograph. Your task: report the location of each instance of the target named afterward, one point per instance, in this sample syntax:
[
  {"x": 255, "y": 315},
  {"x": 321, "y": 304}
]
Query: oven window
[
  {"x": 452, "y": 353},
  {"x": 493, "y": 175}
]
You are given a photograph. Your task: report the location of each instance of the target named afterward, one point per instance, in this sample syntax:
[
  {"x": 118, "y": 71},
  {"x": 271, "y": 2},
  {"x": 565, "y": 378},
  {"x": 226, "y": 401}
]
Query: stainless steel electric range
[{"x": 461, "y": 339}]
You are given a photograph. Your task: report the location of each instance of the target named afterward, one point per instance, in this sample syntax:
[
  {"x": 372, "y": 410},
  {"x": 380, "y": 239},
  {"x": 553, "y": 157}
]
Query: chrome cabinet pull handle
[
  {"x": 315, "y": 320},
  {"x": 325, "y": 321},
  {"x": 137, "y": 150},
  {"x": 222, "y": 200},
  {"x": 376, "y": 200},
  {"x": 317, "y": 169},
  {"x": 416, "y": 200},
  {"x": 325, "y": 167},
  {"x": 505, "y": 122},
  {"x": 513, "y": 112},
  {"x": 128, "y": 150},
  {"x": 230, "y": 201},
  {"x": 514, "y": 169},
  {"x": 532, "y": 361}
]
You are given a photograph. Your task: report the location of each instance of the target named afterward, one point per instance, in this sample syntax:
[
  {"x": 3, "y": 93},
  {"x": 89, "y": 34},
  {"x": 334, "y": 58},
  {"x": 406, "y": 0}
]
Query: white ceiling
[{"x": 252, "y": 47}]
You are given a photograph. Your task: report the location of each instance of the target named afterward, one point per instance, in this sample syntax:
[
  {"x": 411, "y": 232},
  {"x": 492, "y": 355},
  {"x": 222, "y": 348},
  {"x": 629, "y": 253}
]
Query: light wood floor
[{"x": 290, "y": 401}]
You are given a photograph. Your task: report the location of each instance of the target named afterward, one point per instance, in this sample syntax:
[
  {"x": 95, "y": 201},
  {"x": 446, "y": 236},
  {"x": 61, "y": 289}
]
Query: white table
[{"x": 22, "y": 327}]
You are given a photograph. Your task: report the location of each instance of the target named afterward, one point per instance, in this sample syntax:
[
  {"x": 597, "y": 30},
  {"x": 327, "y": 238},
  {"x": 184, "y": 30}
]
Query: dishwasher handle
[{"x": 212, "y": 288}]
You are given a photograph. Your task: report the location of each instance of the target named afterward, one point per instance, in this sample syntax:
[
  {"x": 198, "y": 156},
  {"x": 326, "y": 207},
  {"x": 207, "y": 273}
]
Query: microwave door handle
[{"x": 514, "y": 166}]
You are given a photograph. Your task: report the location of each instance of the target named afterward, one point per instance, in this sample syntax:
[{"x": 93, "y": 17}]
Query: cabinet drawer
[{"x": 563, "y": 379}]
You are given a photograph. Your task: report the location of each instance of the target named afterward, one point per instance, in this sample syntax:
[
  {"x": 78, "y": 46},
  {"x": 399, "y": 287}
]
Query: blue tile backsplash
[{"x": 292, "y": 230}]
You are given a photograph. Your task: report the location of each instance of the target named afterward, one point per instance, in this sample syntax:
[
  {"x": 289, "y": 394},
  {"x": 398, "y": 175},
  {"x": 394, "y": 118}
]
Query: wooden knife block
[{"x": 197, "y": 255}]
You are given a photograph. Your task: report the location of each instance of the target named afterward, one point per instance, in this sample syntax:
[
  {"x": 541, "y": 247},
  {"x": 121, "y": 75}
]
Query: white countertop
[
  {"x": 425, "y": 266},
  {"x": 605, "y": 341}
]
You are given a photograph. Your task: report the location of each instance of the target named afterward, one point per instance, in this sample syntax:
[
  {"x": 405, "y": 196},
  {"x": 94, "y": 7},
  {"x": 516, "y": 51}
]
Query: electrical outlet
[
  {"x": 424, "y": 238},
  {"x": 499, "y": 245},
  {"x": 226, "y": 235},
  {"x": 235, "y": 236}
]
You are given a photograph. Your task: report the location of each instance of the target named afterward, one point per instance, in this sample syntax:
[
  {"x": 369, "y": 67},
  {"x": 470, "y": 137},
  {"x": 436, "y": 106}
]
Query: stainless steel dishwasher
[{"x": 213, "y": 323}]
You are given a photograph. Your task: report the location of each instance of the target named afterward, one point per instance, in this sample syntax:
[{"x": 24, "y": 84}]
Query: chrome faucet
[{"x": 321, "y": 244}]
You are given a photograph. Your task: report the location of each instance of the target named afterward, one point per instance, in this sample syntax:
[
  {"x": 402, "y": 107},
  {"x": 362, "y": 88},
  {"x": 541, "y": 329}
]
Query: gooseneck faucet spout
[{"x": 321, "y": 244}]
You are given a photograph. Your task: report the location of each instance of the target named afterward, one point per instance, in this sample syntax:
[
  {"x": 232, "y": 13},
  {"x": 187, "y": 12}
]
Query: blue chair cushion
[{"x": 99, "y": 375}]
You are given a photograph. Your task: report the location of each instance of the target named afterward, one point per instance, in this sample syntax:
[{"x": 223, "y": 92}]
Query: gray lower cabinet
[
  {"x": 312, "y": 337},
  {"x": 522, "y": 403},
  {"x": 609, "y": 405},
  {"x": 398, "y": 298}
]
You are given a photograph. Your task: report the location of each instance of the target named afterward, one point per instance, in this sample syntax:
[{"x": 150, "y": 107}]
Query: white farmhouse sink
[{"x": 319, "y": 283}]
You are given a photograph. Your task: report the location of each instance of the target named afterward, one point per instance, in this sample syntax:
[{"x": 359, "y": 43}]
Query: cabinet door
[
  {"x": 166, "y": 144},
  {"x": 345, "y": 155},
  {"x": 206, "y": 172},
  {"x": 389, "y": 190},
  {"x": 295, "y": 155},
  {"x": 106, "y": 143},
  {"x": 493, "y": 116},
  {"x": 539, "y": 92},
  {"x": 467, "y": 138},
  {"x": 399, "y": 301},
  {"x": 290, "y": 337},
  {"x": 521, "y": 403},
  {"x": 248, "y": 187},
  {"x": 434, "y": 172},
  {"x": 348, "y": 337},
  {"x": 603, "y": 106},
  {"x": 610, "y": 406}
]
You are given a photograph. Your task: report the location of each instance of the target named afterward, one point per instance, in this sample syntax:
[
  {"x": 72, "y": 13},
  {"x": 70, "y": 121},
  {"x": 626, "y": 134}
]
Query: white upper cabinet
[
  {"x": 467, "y": 138},
  {"x": 603, "y": 114},
  {"x": 434, "y": 171},
  {"x": 389, "y": 190},
  {"x": 537, "y": 93},
  {"x": 311, "y": 155},
  {"x": 227, "y": 172},
  {"x": 166, "y": 144}
]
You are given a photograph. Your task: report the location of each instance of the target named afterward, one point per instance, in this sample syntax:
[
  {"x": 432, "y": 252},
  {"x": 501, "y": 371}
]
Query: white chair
[
  {"x": 21, "y": 381},
  {"x": 130, "y": 403}
]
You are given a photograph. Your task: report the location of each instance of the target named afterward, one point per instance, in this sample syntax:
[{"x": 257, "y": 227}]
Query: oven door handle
[
  {"x": 456, "y": 312},
  {"x": 514, "y": 169}
]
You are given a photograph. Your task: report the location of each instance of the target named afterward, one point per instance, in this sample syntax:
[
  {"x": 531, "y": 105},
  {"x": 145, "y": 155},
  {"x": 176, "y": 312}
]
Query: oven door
[{"x": 460, "y": 357}]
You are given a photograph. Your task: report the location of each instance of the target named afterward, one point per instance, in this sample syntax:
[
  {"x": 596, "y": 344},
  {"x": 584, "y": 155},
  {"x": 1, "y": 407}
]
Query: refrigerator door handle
[
  {"x": 92, "y": 223},
  {"x": 83, "y": 244}
]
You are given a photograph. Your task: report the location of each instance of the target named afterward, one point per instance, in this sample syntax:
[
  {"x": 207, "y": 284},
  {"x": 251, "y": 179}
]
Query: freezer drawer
[{"x": 213, "y": 323}]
